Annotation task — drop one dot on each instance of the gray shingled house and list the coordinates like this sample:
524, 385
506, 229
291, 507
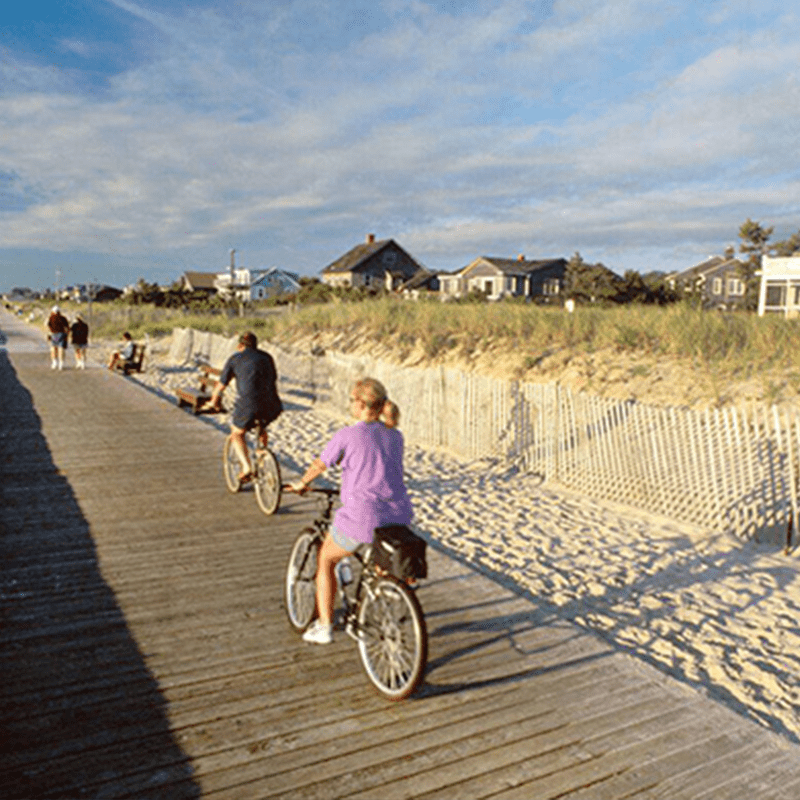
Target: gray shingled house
506, 277
381, 264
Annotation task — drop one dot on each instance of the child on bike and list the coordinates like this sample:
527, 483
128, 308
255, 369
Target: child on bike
373, 492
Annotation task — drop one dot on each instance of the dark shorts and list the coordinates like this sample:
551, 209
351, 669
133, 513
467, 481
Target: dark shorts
58, 339
246, 419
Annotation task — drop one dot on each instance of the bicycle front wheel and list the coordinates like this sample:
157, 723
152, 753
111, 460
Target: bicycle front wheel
231, 466
392, 638
301, 583
268, 481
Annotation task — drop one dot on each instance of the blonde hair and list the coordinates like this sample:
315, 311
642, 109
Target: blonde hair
390, 414
371, 393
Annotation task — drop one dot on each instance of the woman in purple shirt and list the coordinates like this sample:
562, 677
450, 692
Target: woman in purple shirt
373, 492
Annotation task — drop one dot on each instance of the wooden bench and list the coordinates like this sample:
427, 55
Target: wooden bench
135, 363
196, 398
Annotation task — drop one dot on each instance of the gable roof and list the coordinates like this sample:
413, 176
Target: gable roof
516, 266
200, 280
711, 264
354, 258
276, 273
420, 279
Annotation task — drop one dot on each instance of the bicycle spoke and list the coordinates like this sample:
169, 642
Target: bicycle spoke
392, 640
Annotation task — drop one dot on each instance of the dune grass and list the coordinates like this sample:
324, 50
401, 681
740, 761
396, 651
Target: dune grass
734, 344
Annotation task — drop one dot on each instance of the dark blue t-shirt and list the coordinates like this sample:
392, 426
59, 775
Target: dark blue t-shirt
256, 378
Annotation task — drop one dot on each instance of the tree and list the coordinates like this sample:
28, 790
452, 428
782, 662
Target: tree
754, 241
592, 282
754, 244
788, 247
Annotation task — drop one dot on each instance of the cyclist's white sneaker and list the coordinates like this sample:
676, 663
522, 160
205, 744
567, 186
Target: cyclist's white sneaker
318, 633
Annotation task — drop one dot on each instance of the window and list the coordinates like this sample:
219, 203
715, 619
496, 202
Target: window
488, 287
735, 286
776, 295
551, 286
717, 286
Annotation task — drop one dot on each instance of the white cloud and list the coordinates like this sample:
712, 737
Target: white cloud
502, 130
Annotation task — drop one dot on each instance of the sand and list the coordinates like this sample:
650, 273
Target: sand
712, 611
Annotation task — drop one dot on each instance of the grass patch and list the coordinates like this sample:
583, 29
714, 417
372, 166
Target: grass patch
731, 344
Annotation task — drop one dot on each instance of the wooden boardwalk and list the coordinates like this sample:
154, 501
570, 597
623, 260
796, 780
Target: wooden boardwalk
145, 652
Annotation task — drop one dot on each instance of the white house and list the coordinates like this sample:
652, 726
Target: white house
780, 286
255, 284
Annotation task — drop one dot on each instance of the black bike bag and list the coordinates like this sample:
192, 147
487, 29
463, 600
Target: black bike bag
397, 550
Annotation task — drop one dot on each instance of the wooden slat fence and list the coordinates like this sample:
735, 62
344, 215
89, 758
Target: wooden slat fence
730, 469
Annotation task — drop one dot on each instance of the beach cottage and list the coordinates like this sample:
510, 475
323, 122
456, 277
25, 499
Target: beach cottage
779, 291
380, 264
716, 282
506, 277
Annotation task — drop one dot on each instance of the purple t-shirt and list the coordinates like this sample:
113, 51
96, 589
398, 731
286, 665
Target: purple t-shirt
373, 492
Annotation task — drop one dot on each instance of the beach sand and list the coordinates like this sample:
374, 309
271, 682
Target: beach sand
719, 614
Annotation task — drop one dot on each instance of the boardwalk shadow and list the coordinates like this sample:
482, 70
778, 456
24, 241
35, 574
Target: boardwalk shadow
471, 637
81, 715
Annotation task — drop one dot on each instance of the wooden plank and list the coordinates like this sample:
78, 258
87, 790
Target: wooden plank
146, 651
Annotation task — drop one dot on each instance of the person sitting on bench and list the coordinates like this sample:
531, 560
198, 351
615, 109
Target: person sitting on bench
125, 353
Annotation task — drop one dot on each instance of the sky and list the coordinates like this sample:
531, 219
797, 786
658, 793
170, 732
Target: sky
143, 139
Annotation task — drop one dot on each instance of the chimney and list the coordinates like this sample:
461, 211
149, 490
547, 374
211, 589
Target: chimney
521, 257
233, 264
370, 238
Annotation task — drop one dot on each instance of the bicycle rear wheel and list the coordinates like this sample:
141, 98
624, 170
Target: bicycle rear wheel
392, 638
231, 466
268, 481
301, 584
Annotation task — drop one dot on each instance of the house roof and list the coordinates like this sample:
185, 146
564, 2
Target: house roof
704, 267
200, 280
516, 266
418, 280
289, 277
354, 258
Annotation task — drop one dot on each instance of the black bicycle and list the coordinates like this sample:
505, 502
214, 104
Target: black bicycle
381, 610
266, 471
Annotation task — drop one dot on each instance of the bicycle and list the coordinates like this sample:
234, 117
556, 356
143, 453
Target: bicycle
266, 471
381, 611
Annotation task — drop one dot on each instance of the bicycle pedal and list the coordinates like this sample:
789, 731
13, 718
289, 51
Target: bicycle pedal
351, 629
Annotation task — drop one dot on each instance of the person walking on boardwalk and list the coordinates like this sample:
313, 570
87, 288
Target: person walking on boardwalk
373, 492
257, 399
58, 327
79, 335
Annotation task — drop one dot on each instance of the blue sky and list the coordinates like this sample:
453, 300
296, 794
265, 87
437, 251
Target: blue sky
142, 139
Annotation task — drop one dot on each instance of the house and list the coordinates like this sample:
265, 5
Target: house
198, 282
86, 292
717, 282
506, 277
21, 294
779, 291
381, 264
273, 282
249, 285
424, 282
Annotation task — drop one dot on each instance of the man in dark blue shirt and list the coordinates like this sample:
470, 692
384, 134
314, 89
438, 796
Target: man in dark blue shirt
257, 400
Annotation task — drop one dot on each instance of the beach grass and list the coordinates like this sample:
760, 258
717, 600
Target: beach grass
725, 343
